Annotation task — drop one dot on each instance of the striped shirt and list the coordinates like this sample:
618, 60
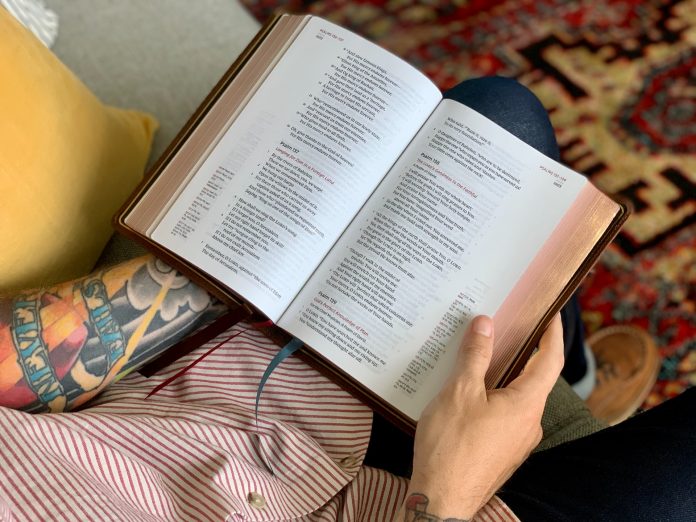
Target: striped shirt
196, 451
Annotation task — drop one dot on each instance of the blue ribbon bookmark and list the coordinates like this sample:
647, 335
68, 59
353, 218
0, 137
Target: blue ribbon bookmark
283, 354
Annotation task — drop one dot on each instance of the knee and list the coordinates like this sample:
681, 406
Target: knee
487, 89
512, 106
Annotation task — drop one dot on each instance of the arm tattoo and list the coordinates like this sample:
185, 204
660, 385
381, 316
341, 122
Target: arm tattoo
416, 510
61, 346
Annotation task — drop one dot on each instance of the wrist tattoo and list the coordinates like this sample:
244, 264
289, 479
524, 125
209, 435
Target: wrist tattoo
417, 510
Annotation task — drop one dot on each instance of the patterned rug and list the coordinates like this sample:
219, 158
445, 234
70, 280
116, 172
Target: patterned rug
619, 79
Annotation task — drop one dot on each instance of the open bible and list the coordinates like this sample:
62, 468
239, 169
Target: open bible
329, 185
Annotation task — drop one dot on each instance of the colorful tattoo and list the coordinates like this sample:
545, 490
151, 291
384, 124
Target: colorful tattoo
102, 319
61, 346
416, 510
32, 353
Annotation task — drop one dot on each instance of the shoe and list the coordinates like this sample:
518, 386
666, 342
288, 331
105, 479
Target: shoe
627, 366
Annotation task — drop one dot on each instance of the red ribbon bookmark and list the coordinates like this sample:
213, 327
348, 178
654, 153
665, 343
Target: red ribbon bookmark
263, 324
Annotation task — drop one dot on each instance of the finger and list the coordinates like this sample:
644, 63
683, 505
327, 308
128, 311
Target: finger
543, 368
476, 350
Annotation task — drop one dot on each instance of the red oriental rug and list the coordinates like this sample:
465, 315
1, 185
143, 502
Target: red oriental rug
619, 79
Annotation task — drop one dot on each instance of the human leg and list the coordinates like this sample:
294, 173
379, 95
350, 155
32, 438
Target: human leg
588, 467
593, 463
641, 469
512, 106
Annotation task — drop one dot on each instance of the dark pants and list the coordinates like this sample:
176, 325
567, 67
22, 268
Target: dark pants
642, 469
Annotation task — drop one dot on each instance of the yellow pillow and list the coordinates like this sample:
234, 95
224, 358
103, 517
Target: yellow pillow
67, 162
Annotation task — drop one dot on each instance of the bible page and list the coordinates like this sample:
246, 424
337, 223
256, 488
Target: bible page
293, 169
445, 236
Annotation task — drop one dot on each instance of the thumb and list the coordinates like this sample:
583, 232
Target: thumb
476, 350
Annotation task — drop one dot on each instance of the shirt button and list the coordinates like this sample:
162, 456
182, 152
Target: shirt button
348, 462
256, 500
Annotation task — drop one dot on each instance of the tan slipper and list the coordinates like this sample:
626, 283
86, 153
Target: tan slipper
627, 366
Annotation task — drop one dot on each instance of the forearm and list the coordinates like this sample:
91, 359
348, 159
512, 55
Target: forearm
62, 345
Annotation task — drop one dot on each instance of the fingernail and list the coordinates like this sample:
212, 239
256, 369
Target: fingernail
482, 325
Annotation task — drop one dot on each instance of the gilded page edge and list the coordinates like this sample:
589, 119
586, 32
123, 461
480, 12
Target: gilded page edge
547, 277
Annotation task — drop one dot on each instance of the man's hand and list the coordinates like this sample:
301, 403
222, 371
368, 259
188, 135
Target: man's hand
470, 440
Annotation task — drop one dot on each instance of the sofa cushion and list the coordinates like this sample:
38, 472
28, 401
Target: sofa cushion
66, 163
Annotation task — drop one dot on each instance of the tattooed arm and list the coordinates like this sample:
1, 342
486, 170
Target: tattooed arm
61, 346
470, 440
